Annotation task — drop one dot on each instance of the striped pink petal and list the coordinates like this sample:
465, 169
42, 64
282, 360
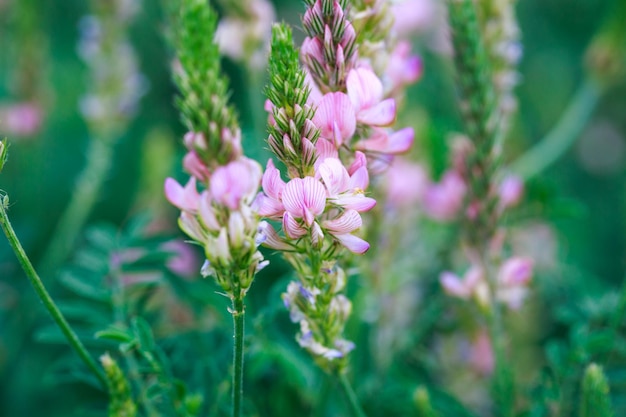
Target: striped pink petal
304, 198
348, 222
335, 118
353, 243
364, 88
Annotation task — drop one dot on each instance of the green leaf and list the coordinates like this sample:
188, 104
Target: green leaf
81, 286
115, 333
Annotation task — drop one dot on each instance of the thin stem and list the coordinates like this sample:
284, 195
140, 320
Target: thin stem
357, 411
83, 199
238, 313
45, 298
563, 135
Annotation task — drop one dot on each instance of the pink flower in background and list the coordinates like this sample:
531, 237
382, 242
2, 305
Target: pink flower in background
413, 15
21, 119
406, 183
511, 191
513, 279
403, 68
465, 287
444, 200
481, 357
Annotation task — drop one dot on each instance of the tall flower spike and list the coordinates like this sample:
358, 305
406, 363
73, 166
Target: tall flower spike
329, 51
292, 134
216, 137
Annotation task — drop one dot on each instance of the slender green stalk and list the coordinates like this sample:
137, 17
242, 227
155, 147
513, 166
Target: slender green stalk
45, 298
238, 313
83, 199
564, 134
352, 399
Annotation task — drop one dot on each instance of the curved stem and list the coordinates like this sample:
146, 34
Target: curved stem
238, 313
83, 199
45, 298
357, 411
563, 135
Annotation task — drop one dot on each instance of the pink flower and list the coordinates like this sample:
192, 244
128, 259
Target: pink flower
335, 118
393, 143
342, 227
403, 68
236, 182
343, 189
481, 354
444, 200
304, 198
413, 15
366, 94
21, 119
194, 165
185, 198
511, 191
406, 183
462, 288
269, 202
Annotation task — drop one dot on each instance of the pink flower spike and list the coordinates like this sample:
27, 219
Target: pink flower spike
353, 243
335, 118
304, 198
516, 271
348, 222
185, 198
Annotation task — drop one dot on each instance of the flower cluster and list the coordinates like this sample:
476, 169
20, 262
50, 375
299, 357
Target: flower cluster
220, 217
115, 90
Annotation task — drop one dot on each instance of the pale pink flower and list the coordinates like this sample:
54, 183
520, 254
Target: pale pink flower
269, 202
335, 117
444, 200
413, 15
21, 119
184, 261
406, 183
510, 191
304, 198
391, 143
403, 68
462, 287
236, 182
481, 356
343, 189
185, 198
366, 94
194, 166
513, 279
342, 227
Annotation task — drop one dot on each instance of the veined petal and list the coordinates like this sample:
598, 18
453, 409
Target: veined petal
335, 116
273, 184
355, 201
394, 143
185, 198
304, 198
325, 149
268, 207
292, 229
381, 114
364, 88
271, 238
207, 212
359, 161
334, 175
353, 243
359, 180
348, 222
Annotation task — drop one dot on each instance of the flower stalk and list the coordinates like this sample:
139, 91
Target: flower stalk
45, 297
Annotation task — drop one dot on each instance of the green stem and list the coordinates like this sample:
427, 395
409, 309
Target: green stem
45, 298
357, 411
83, 199
564, 134
238, 333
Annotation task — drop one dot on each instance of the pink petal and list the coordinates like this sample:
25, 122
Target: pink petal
335, 117
273, 184
516, 271
359, 161
452, 285
268, 207
364, 88
353, 243
394, 143
359, 180
381, 114
292, 228
271, 239
348, 222
304, 198
185, 198
334, 175
325, 149
207, 212
355, 201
